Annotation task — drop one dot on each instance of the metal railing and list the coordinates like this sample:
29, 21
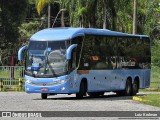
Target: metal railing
11, 78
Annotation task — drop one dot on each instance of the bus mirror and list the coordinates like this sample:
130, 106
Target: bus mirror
20, 52
69, 51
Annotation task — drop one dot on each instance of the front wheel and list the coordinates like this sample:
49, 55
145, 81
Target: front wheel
44, 95
82, 91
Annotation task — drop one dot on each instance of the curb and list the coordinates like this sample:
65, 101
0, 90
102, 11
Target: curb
136, 98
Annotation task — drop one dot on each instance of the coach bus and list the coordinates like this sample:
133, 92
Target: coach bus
86, 61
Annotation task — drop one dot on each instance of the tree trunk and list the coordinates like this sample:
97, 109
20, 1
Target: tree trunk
104, 14
49, 15
114, 15
135, 17
62, 19
1, 63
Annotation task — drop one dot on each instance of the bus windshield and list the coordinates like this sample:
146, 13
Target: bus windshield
46, 58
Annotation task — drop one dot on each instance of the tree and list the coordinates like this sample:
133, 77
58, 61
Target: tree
12, 14
42, 3
124, 11
109, 14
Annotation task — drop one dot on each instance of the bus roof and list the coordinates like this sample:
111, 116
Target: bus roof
56, 34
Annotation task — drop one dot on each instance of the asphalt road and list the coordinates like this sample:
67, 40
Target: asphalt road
21, 101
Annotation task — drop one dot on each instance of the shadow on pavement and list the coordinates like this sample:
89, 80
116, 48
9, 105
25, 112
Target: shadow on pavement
109, 97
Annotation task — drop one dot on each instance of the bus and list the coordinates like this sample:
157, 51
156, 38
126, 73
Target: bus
86, 61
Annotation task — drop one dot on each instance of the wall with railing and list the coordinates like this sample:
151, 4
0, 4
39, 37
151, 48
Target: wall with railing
11, 78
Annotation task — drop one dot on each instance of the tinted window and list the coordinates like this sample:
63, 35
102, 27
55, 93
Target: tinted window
37, 45
133, 53
106, 52
99, 52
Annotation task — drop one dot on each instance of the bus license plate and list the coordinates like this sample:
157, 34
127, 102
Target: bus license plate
44, 89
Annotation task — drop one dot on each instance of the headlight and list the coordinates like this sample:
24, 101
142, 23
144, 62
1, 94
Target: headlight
63, 81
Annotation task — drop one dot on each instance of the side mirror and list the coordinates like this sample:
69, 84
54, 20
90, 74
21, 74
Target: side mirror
69, 51
20, 52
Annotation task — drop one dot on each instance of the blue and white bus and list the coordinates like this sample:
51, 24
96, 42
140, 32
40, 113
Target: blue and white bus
85, 61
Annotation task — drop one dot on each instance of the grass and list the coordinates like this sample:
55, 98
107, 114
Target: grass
155, 78
150, 90
151, 99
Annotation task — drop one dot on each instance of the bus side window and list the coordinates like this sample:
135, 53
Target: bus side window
78, 41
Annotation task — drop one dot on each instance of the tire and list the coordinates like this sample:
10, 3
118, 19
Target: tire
135, 88
82, 91
128, 88
127, 91
44, 95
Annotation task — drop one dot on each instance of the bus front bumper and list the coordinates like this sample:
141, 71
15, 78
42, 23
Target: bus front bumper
58, 89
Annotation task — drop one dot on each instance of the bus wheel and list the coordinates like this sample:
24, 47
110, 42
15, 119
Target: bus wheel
128, 88
82, 91
44, 95
135, 88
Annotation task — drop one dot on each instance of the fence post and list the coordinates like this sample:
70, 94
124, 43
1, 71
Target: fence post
20, 84
1, 84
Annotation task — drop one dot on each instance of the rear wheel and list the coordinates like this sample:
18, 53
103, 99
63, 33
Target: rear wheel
127, 91
44, 95
82, 90
135, 88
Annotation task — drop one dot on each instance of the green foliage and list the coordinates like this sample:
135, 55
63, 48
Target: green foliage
26, 30
11, 16
151, 99
155, 79
147, 17
10, 20
156, 54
